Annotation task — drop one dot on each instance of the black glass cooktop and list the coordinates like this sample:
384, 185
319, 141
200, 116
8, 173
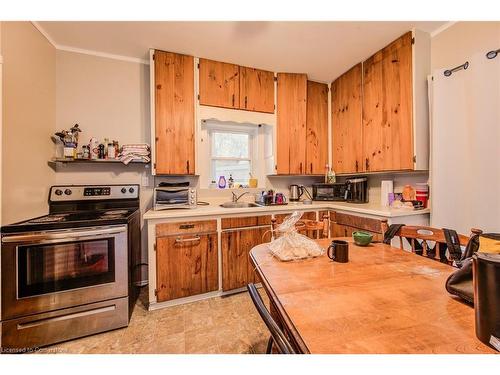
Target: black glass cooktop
72, 219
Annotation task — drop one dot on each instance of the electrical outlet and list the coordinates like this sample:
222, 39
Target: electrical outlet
145, 180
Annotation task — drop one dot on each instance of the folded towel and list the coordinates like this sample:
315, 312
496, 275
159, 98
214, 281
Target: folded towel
135, 152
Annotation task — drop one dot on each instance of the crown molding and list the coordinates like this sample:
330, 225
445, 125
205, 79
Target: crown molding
86, 51
442, 28
102, 54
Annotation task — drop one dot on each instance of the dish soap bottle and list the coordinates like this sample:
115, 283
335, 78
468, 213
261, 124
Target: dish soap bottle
230, 184
222, 182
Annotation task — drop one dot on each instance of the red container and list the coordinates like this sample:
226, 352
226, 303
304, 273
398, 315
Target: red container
422, 193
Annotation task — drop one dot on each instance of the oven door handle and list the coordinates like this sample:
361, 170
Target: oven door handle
72, 235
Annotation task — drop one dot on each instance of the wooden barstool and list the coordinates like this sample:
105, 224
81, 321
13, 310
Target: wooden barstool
311, 228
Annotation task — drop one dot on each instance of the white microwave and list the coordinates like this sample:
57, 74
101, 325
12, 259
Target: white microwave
169, 197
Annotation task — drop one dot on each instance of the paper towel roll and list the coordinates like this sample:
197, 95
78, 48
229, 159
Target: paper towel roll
386, 188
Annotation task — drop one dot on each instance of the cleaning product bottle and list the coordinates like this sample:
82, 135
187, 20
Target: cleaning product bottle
331, 178
222, 182
230, 184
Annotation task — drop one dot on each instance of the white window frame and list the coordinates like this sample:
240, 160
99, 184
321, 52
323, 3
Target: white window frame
233, 129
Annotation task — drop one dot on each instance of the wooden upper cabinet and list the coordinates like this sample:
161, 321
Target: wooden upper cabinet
291, 123
219, 84
174, 113
387, 107
316, 128
256, 90
347, 135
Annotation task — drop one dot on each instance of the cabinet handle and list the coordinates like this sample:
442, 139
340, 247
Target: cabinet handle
367, 164
356, 165
187, 166
311, 168
300, 167
233, 100
192, 239
246, 100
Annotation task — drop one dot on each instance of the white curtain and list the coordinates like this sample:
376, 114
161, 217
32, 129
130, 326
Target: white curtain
465, 147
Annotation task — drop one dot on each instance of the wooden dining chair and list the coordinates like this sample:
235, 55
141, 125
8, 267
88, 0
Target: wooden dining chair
428, 241
277, 336
317, 228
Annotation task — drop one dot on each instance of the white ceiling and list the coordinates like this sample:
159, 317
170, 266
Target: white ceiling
323, 50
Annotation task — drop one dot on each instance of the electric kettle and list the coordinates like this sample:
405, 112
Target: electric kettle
296, 192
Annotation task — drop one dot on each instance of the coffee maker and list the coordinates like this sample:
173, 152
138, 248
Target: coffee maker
356, 190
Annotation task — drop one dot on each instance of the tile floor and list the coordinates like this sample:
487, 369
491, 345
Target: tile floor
222, 325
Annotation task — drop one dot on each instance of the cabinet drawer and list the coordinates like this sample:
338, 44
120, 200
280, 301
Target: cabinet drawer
365, 223
186, 227
241, 222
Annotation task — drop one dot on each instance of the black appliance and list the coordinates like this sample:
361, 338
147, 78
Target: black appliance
73, 272
329, 192
486, 271
356, 190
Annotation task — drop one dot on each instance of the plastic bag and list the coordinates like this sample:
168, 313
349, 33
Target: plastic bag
291, 245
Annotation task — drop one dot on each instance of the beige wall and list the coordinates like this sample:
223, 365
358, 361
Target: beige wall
459, 42
28, 101
109, 99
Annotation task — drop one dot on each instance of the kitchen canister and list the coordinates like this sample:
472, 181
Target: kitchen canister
386, 188
422, 193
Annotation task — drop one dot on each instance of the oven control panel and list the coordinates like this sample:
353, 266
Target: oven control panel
96, 191
92, 192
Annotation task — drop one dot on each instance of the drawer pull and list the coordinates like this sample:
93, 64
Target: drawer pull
192, 239
41, 322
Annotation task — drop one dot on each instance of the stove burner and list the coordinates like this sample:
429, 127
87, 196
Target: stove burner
114, 213
49, 219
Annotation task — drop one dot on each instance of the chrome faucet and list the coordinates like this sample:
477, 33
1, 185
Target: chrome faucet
236, 197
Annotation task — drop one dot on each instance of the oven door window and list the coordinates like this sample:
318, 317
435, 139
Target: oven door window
172, 196
49, 268
324, 192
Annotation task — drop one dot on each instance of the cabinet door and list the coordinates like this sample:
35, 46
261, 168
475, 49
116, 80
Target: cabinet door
316, 128
186, 265
256, 90
347, 136
387, 108
291, 123
237, 269
219, 84
174, 113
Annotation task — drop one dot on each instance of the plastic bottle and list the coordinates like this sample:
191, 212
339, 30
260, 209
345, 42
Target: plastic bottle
222, 182
230, 184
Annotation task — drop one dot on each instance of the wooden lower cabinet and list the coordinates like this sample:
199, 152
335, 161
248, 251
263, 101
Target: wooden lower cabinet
237, 270
187, 265
343, 225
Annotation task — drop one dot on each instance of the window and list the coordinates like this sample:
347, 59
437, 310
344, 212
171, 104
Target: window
231, 154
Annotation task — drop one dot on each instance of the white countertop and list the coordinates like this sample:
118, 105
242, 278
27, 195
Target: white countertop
213, 209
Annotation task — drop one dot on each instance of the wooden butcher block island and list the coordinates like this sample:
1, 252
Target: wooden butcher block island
384, 300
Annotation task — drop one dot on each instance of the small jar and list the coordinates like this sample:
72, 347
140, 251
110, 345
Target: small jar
85, 152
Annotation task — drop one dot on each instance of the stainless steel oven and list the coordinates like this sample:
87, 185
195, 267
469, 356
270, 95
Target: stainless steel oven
72, 272
57, 269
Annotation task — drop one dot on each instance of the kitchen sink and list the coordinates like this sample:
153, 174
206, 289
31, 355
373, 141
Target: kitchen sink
238, 205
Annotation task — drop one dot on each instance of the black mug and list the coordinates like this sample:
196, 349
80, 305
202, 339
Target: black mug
338, 251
